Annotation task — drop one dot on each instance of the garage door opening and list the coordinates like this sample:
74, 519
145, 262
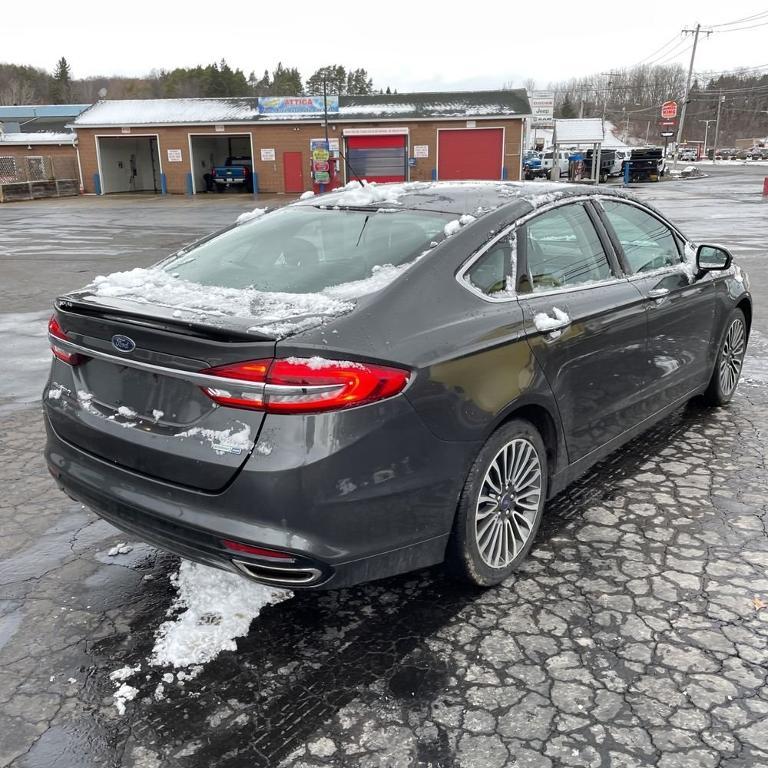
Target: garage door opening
129, 164
377, 158
472, 153
229, 154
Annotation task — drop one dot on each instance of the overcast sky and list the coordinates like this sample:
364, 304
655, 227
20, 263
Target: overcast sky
406, 44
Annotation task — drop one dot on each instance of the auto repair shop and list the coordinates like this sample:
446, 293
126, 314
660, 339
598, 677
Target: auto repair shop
172, 145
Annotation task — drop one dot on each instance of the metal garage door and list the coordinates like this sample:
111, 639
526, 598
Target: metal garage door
377, 158
474, 153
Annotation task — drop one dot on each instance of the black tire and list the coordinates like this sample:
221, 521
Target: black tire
464, 559
729, 361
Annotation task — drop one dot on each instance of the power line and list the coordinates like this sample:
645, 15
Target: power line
673, 55
741, 29
754, 16
657, 51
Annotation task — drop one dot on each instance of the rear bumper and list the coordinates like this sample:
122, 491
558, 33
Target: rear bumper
339, 528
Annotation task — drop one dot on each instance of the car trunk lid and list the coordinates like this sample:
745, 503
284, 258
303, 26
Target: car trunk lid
135, 396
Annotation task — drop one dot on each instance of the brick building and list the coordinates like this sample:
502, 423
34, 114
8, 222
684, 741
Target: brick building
36, 165
169, 145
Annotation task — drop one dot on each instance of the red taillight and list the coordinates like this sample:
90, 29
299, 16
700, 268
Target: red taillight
248, 549
55, 331
304, 385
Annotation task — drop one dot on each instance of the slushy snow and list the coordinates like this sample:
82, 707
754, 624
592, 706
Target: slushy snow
544, 322
215, 607
249, 215
159, 287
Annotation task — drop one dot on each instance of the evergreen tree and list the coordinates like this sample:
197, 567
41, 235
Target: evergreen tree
61, 85
286, 81
335, 77
567, 109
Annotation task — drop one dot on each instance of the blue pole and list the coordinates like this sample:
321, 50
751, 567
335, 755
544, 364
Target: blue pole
97, 183
504, 175
163, 184
189, 183
434, 174
255, 177
627, 170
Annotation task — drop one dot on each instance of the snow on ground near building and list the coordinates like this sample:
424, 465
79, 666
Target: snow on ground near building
26, 357
216, 607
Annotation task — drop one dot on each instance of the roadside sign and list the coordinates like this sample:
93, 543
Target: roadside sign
667, 134
542, 109
669, 110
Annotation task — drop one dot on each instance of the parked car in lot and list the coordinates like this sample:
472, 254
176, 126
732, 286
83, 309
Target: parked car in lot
236, 172
688, 155
374, 380
532, 167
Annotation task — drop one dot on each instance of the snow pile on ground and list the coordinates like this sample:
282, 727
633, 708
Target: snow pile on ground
249, 215
544, 322
306, 195
124, 692
121, 548
216, 607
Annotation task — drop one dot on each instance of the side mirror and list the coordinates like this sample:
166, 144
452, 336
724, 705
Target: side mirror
712, 257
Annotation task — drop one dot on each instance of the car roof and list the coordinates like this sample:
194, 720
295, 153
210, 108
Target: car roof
457, 197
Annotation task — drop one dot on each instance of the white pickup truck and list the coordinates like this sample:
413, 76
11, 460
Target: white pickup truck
563, 158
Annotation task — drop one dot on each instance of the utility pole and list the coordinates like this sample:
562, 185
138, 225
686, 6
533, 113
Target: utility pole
706, 134
610, 75
720, 100
695, 33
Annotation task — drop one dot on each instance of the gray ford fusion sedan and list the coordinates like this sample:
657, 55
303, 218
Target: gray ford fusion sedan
384, 377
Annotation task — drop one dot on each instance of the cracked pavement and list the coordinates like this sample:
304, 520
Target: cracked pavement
636, 634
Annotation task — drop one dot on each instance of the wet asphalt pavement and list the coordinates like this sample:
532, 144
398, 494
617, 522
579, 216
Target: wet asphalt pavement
636, 635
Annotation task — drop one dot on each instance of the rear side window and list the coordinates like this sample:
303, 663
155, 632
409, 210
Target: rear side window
304, 249
561, 249
489, 273
647, 242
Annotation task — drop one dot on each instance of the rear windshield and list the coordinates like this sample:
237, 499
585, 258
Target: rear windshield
304, 249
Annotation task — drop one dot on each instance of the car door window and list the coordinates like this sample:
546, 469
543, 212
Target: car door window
561, 249
489, 273
647, 242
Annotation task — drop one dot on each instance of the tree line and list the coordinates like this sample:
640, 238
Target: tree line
631, 99
32, 85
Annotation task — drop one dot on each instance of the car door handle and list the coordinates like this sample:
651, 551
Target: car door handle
552, 324
658, 293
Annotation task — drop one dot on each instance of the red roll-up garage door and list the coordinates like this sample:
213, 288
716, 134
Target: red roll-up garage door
474, 153
377, 158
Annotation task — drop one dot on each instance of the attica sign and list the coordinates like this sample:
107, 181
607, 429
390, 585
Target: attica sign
297, 105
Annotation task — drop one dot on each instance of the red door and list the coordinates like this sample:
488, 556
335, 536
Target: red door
293, 172
377, 158
474, 153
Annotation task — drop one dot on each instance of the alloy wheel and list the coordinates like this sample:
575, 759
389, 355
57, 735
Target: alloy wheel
732, 356
508, 503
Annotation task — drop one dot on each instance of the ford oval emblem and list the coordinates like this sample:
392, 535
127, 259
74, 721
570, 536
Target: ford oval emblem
123, 343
